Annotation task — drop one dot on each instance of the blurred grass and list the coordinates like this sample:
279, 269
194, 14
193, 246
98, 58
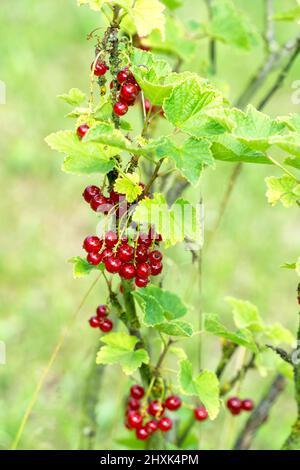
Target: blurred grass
44, 53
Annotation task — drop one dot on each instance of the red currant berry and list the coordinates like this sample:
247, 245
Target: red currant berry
125, 253
151, 426
94, 322
165, 424
156, 268
116, 197
100, 68
137, 392
120, 108
156, 408
101, 311
106, 325
142, 434
247, 404
143, 270
124, 240
144, 239
234, 404
200, 413
122, 76
94, 258
127, 425
92, 244
111, 239
82, 130
127, 271
97, 201
107, 253
148, 105
134, 404
128, 92
134, 419
155, 256
173, 403
141, 282
158, 238
90, 192
142, 253
112, 264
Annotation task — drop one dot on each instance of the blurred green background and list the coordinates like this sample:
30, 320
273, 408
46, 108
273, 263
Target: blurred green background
44, 52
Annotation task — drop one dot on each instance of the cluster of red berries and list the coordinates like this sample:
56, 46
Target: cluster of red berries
128, 91
236, 405
100, 320
150, 417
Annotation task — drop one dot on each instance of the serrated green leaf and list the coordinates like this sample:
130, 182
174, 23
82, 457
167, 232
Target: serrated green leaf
82, 268
212, 324
186, 379
148, 15
185, 108
82, 157
128, 184
227, 148
175, 224
75, 97
120, 349
290, 143
231, 26
293, 14
172, 4
245, 314
284, 189
279, 334
176, 328
268, 362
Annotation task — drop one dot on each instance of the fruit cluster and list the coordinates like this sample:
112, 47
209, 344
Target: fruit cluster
147, 417
128, 91
100, 320
236, 405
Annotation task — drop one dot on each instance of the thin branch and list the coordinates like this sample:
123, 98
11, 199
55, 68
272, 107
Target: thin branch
270, 38
212, 43
282, 353
153, 177
260, 414
228, 351
239, 375
162, 357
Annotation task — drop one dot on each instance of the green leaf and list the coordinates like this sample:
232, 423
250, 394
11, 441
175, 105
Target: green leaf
293, 14
279, 334
189, 158
231, 26
175, 224
172, 4
227, 148
120, 349
82, 157
82, 268
245, 314
205, 386
211, 324
189, 101
290, 143
176, 328
75, 97
284, 189
148, 15
128, 184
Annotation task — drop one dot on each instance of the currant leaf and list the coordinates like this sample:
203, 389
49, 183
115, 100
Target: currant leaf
82, 268
284, 189
75, 97
128, 184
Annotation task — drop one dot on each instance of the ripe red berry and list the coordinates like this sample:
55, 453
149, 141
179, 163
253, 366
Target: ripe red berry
112, 264
111, 239
141, 282
143, 270
107, 253
142, 253
82, 130
90, 192
116, 197
234, 404
142, 434
134, 404
127, 271
155, 408
129, 92
148, 105
106, 325
94, 322
125, 253
97, 201
94, 258
120, 108
137, 391
173, 403
92, 244
247, 404
100, 68
144, 239
101, 311
200, 413
122, 76
134, 419
155, 256
151, 426
165, 424
156, 268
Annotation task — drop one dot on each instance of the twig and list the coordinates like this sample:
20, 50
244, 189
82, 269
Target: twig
153, 177
282, 353
228, 351
260, 414
212, 43
270, 38
240, 374
162, 357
